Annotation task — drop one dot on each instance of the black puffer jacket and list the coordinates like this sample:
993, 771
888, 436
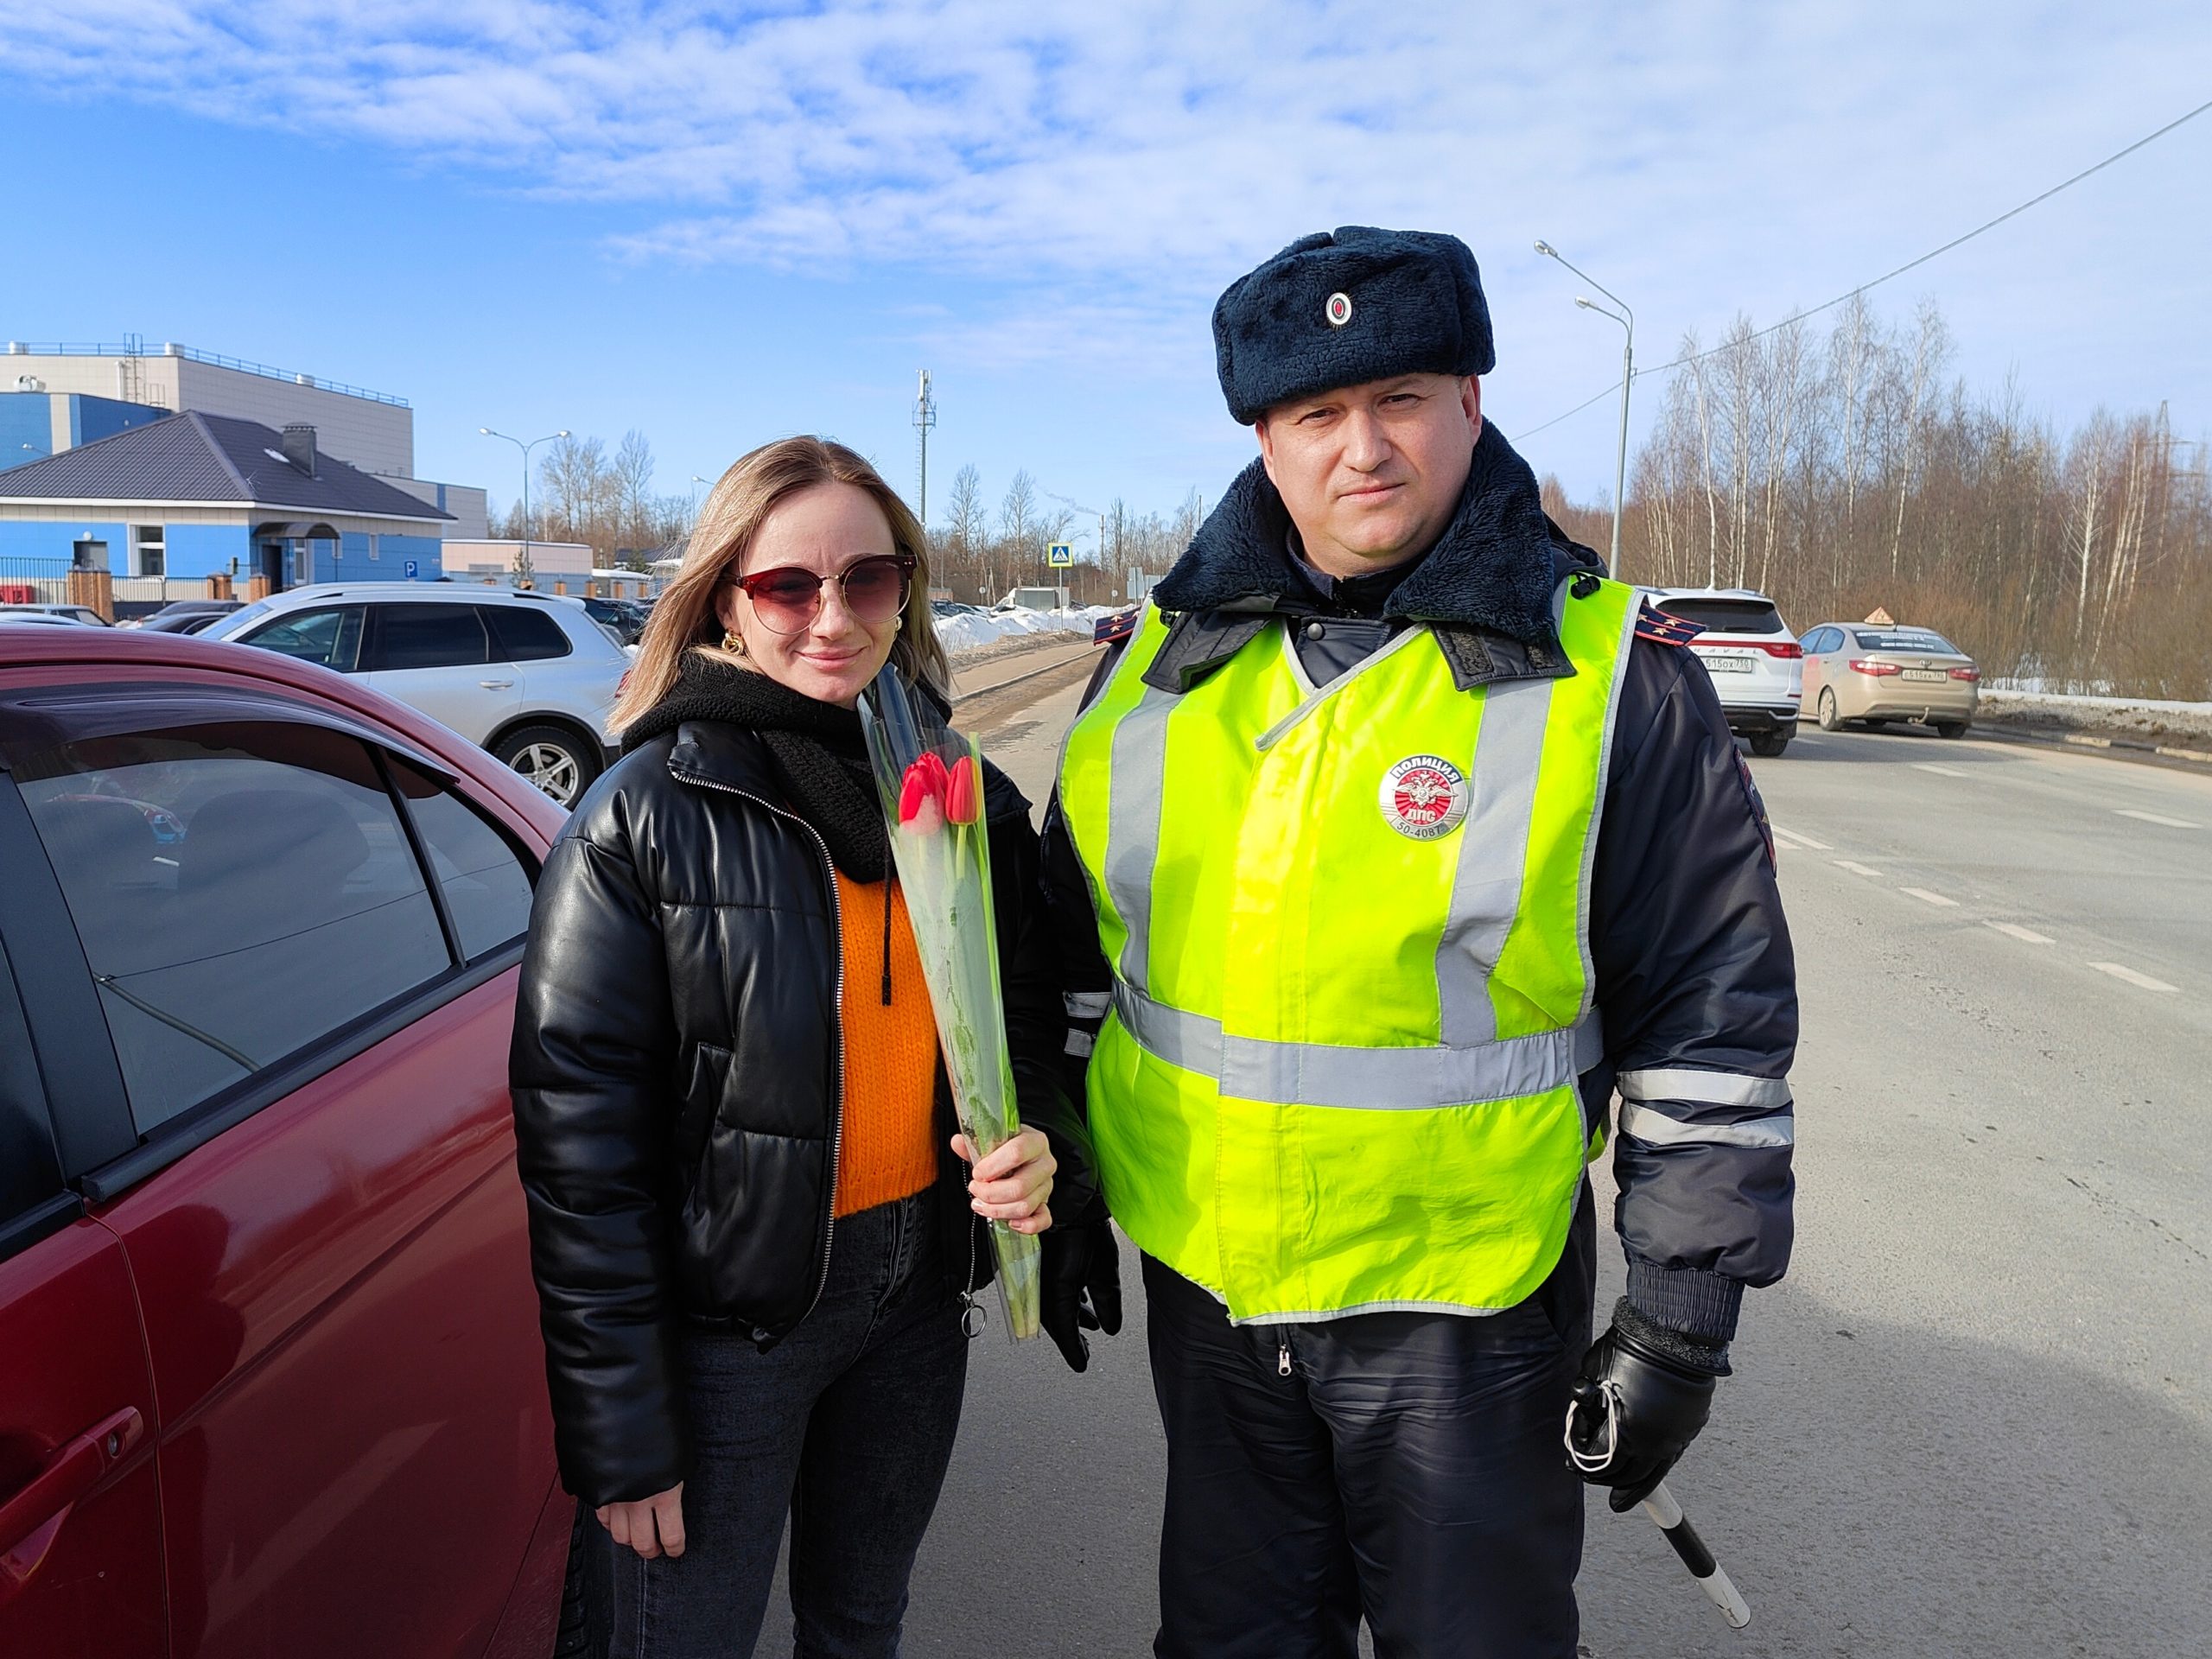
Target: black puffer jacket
676, 1082
1695, 981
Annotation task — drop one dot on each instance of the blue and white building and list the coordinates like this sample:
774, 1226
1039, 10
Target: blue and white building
194, 495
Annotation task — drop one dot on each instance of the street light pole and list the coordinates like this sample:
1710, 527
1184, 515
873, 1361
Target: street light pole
522, 567
1627, 320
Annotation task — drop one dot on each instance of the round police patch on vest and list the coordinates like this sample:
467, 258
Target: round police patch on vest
1424, 796
1337, 310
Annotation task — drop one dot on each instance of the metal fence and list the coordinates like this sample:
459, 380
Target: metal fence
169, 348
34, 582
46, 581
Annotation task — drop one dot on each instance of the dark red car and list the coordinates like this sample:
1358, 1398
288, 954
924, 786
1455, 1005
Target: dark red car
270, 1380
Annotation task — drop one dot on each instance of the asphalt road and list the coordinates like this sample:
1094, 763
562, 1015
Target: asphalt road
1976, 1419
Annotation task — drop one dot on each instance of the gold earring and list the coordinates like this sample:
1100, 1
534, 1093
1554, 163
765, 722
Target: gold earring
732, 642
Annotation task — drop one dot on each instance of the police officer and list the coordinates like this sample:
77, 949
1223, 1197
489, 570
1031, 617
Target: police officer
1407, 840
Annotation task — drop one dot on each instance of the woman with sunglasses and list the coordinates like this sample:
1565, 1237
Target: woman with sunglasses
754, 1239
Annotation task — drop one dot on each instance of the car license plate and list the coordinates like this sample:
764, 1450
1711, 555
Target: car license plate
1924, 674
1720, 664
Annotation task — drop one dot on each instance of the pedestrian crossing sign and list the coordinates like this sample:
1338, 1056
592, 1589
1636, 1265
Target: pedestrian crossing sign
1059, 553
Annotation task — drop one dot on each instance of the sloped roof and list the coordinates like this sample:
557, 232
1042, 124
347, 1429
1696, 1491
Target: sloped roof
200, 457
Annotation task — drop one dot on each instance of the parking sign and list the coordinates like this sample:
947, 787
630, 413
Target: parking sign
412, 569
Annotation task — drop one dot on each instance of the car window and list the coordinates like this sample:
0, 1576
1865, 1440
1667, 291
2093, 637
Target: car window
241, 891
1727, 615
427, 636
1905, 640
30, 1173
486, 885
247, 613
520, 634
331, 637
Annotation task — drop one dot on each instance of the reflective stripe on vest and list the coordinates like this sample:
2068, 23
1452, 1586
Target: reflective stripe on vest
1291, 956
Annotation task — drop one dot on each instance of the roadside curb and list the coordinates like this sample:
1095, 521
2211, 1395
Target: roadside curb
2119, 747
959, 697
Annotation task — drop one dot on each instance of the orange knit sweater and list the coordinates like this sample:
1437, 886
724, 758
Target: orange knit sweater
889, 1149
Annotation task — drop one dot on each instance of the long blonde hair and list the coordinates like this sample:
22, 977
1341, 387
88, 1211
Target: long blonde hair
685, 617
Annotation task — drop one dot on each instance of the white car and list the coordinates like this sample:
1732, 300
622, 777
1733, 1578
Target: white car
1756, 663
529, 676
77, 615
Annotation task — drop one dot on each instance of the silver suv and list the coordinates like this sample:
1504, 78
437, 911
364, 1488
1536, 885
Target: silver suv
1755, 661
530, 677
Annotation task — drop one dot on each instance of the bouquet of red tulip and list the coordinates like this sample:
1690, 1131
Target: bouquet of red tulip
930, 780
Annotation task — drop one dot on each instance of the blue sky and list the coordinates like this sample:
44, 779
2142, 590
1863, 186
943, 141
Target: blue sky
719, 224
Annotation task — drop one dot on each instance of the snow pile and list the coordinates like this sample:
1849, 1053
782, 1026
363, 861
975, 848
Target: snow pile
2139, 717
974, 630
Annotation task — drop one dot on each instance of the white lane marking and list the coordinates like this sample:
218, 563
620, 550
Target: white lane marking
1926, 897
2133, 978
1791, 838
2156, 818
2027, 935
1856, 869
1930, 765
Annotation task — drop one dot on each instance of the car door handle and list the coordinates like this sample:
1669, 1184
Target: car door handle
31, 1520
495, 685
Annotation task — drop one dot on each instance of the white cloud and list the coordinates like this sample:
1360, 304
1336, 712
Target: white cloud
1109, 168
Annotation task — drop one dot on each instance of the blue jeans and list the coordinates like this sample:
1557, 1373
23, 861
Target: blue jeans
847, 1423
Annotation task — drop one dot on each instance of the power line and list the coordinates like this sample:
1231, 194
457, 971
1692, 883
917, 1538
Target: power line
1825, 305
1577, 409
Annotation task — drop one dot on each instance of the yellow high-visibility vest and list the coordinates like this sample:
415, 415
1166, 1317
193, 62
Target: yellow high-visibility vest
1348, 930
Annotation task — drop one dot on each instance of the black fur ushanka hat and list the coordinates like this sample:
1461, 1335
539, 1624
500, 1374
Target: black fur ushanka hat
1344, 307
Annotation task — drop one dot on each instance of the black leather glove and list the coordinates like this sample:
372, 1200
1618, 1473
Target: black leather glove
1081, 1287
1644, 1394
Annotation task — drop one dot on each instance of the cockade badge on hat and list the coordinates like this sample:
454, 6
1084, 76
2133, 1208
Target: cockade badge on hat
1337, 310
1424, 796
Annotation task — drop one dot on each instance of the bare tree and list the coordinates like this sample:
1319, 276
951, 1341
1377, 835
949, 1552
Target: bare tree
1018, 523
2031, 547
633, 483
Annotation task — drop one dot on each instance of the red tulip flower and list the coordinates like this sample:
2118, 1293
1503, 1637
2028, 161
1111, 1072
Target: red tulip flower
922, 796
963, 799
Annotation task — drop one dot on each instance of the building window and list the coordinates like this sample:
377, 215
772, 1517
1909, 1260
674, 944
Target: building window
148, 551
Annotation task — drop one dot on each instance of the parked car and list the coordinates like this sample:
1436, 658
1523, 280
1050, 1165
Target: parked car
30, 618
84, 614
528, 676
184, 615
1751, 655
625, 618
1860, 673
271, 1378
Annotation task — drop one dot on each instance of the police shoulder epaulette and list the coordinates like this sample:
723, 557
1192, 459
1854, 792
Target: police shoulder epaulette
1663, 627
1110, 629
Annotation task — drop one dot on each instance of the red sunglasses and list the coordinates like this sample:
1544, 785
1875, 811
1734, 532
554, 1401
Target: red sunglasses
788, 598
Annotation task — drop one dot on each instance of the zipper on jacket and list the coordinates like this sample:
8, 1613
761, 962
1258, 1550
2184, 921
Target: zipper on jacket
836, 1017
973, 1317
1282, 1355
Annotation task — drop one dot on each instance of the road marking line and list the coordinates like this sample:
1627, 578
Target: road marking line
1930, 765
2133, 978
2026, 934
1926, 897
2156, 818
1856, 869
1791, 838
